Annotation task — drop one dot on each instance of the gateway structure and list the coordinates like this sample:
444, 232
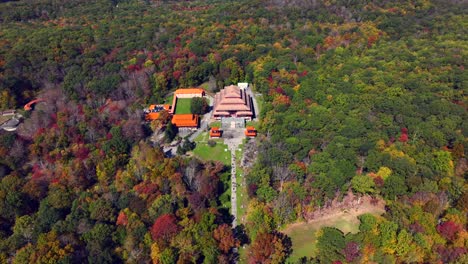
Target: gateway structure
233, 101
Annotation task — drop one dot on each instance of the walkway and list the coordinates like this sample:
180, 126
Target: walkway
233, 187
254, 100
233, 140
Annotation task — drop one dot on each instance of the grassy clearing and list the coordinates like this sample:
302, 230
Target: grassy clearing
215, 124
205, 85
183, 106
202, 137
260, 102
241, 189
219, 152
255, 124
304, 235
168, 100
303, 242
243, 254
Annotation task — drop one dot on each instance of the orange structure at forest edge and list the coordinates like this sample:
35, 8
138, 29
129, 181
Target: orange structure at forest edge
250, 131
185, 120
28, 106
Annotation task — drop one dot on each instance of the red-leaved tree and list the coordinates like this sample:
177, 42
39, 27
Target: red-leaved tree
122, 219
448, 229
164, 227
269, 248
351, 251
404, 135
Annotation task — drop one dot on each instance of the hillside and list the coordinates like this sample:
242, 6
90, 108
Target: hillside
367, 97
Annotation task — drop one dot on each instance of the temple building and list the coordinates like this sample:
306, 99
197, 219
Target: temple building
233, 101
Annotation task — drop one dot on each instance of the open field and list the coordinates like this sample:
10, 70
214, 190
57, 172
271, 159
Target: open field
303, 234
183, 106
205, 152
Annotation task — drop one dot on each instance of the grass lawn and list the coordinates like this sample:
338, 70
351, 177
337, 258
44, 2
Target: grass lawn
303, 242
240, 190
260, 105
215, 124
205, 152
168, 100
255, 124
205, 85
304, 235
183, 106
243, 254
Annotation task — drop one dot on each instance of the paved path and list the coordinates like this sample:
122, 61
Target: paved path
233, 144
254, 100
233, 187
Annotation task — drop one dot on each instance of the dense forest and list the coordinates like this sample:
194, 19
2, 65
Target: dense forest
362, 96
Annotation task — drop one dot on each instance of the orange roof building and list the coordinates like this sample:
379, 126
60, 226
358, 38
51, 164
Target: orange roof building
185, 120
151, 116
250, 131
153, 112
190, 91
232, 101
215, 132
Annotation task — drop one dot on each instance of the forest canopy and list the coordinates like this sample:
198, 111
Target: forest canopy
366, 97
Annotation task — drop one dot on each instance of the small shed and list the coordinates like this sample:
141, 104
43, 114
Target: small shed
250, 131
215, 132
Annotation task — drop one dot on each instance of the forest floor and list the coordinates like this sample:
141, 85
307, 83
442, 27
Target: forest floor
304, 234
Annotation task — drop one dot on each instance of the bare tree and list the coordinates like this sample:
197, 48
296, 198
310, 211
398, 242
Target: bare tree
281, 173
190, 175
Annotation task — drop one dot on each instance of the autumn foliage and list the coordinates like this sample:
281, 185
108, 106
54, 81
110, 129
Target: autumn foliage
448, 229
225, 237
269, 248
164, 227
